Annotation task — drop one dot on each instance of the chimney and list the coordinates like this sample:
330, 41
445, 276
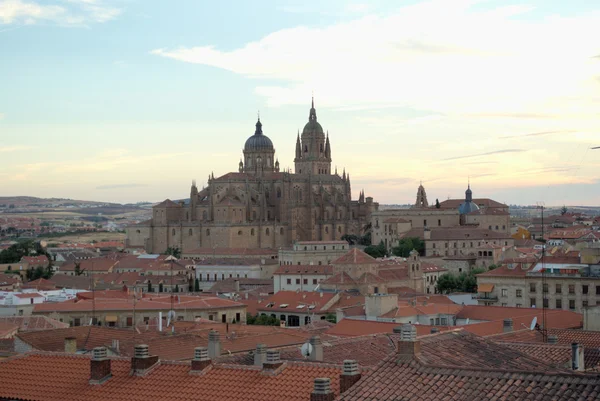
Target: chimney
99, 366
142, 361
70, 345
322, 390
508, 325
201, 360
273, 362
577, 357
317, 349
214, 344
115, 346
408, 345
434, 330
236, 285
260, 355
350, 375
552, 339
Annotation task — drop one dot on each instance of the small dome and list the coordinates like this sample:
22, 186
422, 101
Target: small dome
467, 207
258, 141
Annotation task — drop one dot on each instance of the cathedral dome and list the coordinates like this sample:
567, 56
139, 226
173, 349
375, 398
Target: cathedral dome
312, 125
468, 206
258, 141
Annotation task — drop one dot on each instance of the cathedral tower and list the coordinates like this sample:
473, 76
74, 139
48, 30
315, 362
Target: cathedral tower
259, 153
313, 150
421, 198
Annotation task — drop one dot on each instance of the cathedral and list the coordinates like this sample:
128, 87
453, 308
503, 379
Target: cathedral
261, 206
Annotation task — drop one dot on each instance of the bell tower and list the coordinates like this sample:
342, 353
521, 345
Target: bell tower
313, 150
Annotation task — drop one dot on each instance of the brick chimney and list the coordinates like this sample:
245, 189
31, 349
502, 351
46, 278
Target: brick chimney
142, 361
408, 345
99, 366
552, 339
317, 349
322, 390
577, 357
201, 360
214, 344
350, 375
260, 355
70, 345
273, 362
507, 326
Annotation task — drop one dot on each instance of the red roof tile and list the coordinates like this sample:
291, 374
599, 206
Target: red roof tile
354, 257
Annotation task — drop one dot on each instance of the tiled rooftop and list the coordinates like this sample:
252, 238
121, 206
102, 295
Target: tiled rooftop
354, 257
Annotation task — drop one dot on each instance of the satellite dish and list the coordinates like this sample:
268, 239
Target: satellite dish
170, 317
306, 349
533, 323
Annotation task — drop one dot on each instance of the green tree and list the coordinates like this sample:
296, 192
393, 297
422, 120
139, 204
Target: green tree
173, 251
331, 318
406, 245
378, 251
437, 204
492, 267
197, 285
176, 287
564, 210
446, 283
351, 239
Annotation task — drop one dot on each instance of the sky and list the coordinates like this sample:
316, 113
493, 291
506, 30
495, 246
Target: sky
130, 100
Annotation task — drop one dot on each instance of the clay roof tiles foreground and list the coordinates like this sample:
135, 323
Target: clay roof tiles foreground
65, 377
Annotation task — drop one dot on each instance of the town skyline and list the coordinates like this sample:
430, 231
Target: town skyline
90, 116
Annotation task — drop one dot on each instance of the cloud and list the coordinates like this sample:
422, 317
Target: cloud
495, 152
14, 148
424, 56
542, 133
120, 186
71, 13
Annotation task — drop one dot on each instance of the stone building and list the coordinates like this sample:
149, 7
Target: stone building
260, 205
555, 283
484, 218
312, 252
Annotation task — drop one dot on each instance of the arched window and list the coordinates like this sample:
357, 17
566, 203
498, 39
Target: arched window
252, 231
305, 149
207, 232
279, 192
321, 148
267, 232
190, 232
173, 231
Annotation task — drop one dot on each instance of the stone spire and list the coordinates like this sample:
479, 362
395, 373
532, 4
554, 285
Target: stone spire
313, 113
327, 147
421, 201
344, 174
298, 147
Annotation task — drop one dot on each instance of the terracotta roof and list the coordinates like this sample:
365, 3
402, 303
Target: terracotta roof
41, 284
67, 375
26, 295
91, 265
35, 260
305, 269
558, 355
486, 202
8, 329
485, 287
167, 203
288, 301
338, 279
150, 303
353, 328
354, 257
32, 323
232, 251
465, 368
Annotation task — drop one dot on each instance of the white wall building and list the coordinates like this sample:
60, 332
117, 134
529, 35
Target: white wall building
300, 277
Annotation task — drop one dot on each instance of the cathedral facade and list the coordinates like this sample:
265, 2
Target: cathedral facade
260, 206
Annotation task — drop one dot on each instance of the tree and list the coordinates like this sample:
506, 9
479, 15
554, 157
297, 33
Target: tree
173, 251
176, 287
331, 318
378, 251
262, 320
464, 282
197, 285
492, 267
351, 239
437, 203
406, 245
446, 283
563, 210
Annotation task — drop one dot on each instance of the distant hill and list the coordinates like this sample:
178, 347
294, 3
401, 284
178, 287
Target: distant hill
21, 201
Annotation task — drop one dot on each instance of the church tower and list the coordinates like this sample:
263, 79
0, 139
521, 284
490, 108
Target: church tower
421, 198
313, 150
